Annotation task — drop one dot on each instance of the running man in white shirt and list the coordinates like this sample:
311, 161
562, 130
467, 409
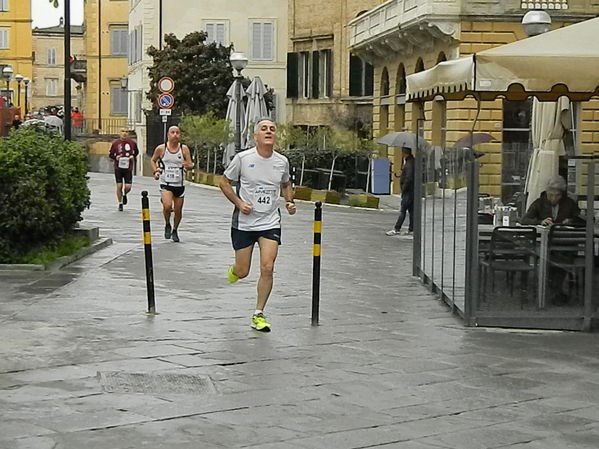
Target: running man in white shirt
168, 163
260, 173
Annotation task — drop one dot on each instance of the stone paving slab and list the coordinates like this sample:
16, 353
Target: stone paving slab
388, 367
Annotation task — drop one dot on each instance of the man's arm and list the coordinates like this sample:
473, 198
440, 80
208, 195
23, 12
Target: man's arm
112, 152
158, 152
227, 189
288, 195
187, 162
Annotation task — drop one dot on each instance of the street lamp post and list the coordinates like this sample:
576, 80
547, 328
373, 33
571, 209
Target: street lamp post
239, 62
7, 75
18, 79
26, 82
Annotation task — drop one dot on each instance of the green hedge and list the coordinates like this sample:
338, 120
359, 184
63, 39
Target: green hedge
43, 190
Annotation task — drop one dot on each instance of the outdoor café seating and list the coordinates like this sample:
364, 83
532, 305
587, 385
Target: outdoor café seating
512, 250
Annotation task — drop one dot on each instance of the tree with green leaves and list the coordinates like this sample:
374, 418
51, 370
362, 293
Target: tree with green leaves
204, 134
202, 73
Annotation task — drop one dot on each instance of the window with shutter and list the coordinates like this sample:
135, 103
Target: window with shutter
4, 39
262, 35
118, 100
292, 75
51, 87
118, 41
216, 32
3, 5
315, 74
51, 56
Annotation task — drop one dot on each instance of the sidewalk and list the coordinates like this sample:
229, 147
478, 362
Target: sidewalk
83, 366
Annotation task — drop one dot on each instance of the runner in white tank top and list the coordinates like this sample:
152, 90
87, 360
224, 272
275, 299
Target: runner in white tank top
168, 162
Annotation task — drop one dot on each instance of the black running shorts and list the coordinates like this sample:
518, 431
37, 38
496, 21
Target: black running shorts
178, 191
243, 239
123, 174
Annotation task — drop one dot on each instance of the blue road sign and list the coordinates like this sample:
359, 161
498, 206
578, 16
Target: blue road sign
165, 101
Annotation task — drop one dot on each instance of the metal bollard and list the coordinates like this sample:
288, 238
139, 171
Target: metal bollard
316, 263
145, 214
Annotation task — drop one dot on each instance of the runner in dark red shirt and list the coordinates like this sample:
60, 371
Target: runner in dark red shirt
124, 153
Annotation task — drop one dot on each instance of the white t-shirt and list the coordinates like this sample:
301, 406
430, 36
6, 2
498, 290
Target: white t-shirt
259, 184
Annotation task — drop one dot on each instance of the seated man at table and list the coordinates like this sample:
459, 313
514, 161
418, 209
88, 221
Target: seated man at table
553, 206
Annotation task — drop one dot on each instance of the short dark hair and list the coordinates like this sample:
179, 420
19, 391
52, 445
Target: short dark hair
407, 150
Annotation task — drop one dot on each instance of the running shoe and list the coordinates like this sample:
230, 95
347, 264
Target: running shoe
121, 207
167, 231
392, 232
231, 277
259, 323
175, 236
125, 199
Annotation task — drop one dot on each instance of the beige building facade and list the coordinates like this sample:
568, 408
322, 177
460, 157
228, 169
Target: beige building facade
106, 39
47, 87
401, 37
260, 32
326, 84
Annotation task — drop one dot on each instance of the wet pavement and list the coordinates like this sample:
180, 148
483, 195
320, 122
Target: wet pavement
83, 365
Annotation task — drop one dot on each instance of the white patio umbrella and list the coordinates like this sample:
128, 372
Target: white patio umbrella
229, 152
256, 109
549, 121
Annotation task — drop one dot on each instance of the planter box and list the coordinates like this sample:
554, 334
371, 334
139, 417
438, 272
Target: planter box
303, 193
363, 200
216, 180
326, 196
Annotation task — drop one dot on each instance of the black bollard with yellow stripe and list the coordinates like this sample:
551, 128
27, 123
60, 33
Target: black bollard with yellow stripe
145, 213
316, 263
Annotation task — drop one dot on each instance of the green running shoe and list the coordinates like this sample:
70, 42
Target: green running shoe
231, 277
259, 323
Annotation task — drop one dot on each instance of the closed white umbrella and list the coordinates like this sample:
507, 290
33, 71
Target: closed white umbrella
549, 120
256, 109
232, 110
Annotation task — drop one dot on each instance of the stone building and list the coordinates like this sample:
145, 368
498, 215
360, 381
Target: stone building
401, 37
326, 84
48, 66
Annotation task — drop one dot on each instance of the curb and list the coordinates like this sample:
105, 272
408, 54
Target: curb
61, 261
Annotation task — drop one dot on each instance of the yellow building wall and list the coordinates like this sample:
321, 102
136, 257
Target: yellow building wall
104, 70
17, 20
460, 115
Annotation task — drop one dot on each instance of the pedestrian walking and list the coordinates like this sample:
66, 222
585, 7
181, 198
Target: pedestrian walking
168, 162
261, 174
124, 153
406, 182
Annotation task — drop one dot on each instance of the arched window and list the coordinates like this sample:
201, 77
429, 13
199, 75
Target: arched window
400, 99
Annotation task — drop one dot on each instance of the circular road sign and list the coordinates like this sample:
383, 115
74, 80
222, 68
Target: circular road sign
166, 84
165, 101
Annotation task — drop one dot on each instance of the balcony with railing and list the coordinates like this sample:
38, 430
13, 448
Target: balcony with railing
397, 26
400, 26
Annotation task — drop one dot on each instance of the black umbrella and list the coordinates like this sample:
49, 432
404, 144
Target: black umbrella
404, 139
472, 139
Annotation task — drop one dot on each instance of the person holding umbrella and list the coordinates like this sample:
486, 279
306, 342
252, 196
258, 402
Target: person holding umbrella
406, 181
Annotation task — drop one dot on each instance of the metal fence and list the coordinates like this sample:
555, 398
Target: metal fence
452, 247
95, 126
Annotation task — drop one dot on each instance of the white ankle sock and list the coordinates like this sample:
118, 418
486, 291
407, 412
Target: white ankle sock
257, 312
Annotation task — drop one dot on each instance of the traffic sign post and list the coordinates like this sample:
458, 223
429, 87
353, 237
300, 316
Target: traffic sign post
165, 100
166, 85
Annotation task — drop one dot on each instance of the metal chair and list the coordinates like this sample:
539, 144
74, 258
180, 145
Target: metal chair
512, 250
566, 253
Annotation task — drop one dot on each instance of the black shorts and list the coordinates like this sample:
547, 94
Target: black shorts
178, 191
123, 174
243, 239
